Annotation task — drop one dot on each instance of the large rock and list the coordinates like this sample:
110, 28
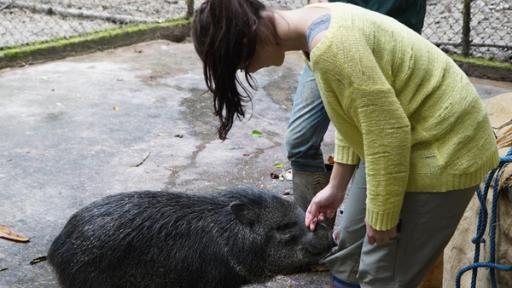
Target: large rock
460, 250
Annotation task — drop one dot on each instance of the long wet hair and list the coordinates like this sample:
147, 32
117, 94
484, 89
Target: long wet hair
225, 33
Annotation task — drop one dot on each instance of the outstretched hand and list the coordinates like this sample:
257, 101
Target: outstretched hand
323, 205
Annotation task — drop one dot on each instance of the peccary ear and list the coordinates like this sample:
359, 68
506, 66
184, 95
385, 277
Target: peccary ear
244, 213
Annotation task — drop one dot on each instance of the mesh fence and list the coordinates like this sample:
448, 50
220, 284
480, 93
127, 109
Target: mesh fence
489, 22
487, 33
28, 21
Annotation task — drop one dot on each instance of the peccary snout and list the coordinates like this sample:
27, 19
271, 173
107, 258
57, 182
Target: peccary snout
292, 246
319, 239
169, 239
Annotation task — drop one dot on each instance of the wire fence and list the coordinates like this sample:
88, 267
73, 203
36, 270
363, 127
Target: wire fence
479, 27
27, 21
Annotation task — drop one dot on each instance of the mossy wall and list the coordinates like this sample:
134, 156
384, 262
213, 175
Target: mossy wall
175, 30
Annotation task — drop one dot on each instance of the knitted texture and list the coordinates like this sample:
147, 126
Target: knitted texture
402, 105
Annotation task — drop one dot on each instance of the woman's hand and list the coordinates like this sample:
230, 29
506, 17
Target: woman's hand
323, 205
326, 202
379, 237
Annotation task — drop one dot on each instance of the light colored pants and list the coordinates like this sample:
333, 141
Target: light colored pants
427, 222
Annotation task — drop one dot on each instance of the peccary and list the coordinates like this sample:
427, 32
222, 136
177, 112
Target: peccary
170, 239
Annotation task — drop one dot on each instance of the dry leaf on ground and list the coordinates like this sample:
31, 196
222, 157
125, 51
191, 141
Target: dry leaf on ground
38, 260
288, 175
274, 175
7, 233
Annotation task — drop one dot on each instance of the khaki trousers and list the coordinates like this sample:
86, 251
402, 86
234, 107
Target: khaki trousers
427, 222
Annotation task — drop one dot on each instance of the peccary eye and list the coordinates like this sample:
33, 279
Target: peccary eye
287, 233
286, 226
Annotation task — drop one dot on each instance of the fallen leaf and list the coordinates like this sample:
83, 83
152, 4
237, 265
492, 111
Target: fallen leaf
178, 135
115, 108
287, 192
143, 160
3, 269
246, 154
38, 260
256, 133
330, 160
171, 169
319, 268
288, 175
274, 175
7, 233
279, 165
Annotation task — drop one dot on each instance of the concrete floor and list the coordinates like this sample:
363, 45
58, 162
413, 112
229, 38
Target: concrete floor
72, 131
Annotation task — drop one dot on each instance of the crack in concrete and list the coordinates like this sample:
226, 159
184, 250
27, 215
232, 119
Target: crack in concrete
173, 177
195, 116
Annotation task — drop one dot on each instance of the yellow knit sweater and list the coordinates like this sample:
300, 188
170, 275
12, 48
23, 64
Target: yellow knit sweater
403, 106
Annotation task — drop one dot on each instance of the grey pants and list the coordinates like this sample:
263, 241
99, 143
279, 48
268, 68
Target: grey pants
427, 222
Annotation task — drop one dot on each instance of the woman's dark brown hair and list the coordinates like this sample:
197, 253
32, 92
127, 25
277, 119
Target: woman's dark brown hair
224, 33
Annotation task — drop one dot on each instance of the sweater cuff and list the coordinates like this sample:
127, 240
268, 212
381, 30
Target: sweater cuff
344, 154
382, 220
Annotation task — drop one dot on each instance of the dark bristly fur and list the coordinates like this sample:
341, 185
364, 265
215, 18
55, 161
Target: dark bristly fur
168, 239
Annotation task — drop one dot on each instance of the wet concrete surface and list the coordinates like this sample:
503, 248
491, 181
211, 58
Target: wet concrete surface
76, 130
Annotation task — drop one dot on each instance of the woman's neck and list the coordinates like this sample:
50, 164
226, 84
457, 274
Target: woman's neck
291, 30
292, 26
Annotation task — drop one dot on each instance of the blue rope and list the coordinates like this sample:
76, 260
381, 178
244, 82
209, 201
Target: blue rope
481, 227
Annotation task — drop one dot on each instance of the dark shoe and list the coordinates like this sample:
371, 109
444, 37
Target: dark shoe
338, 283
